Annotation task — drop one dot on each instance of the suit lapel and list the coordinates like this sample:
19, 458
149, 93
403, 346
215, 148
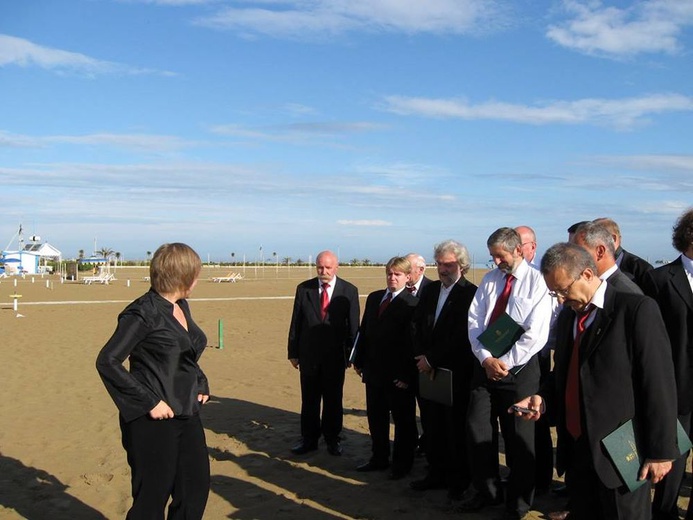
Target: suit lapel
680, 282
595, 332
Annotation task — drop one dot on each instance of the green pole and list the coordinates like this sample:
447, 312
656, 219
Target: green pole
221, 334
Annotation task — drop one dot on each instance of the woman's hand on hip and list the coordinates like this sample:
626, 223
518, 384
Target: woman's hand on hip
161, 411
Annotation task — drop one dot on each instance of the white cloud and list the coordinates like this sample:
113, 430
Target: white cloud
298, 133
23, 53
364, 223
138, 142
656, 163
306, 18
620, 113
649, 26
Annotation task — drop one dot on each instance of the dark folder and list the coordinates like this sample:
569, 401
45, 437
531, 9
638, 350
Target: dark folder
623, 452
500, 336
438, 389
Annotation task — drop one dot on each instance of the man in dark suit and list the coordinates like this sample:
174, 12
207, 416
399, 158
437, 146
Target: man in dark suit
323, 326
519, 290
671, 285
417, 278
543, 443
440, 341
384, 358
417, 281
612, 364
599, 243
631, 264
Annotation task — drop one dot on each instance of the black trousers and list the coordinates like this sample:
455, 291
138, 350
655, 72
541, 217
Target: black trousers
488, 407
326, 385
446, 437
543, 444
591, 500
381, 401
666, 495
167, 458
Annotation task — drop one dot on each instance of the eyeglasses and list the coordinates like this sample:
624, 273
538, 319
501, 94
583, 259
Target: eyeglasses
562, 292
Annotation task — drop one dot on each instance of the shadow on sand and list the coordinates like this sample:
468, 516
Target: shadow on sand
37, 495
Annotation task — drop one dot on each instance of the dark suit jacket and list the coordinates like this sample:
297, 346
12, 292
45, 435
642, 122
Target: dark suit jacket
626, 372
445, 344
384, 350
424, 282
315, 342
635, 266
622, 283
669, 286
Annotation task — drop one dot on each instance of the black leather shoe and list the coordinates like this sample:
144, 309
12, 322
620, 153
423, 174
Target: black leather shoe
427, 483
476, 502
372, 466
304, 447
334, 448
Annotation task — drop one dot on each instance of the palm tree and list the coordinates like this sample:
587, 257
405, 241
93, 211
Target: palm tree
149, 256
106, 252
80, 254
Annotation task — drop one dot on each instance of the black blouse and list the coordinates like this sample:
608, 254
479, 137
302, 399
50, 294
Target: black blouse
163, 359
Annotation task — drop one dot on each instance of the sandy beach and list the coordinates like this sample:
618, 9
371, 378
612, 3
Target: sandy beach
60, 452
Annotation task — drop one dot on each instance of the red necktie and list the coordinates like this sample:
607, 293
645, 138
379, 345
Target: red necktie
502, 301
572, 385
411, 289
384, 304
324, 301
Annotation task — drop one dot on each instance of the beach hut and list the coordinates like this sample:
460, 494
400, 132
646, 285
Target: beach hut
20, 262
47, 253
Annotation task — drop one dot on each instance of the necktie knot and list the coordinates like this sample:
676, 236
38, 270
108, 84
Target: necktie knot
411, 288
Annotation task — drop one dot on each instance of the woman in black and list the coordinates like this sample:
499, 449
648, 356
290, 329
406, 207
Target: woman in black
159, 398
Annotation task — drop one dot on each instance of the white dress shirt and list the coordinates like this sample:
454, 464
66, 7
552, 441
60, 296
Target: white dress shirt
529, 305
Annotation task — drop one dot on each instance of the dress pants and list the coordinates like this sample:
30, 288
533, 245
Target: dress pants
488, 406
666, 495
446, 440
591, 500
326, 385
543, 444
167, 458
381, 401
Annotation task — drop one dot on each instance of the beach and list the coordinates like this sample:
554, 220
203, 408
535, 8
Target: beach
60, 451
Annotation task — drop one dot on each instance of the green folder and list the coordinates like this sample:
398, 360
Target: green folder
623, 452
500, 336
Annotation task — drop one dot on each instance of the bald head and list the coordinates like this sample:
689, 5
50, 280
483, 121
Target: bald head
326, 265
529, 242
418, 266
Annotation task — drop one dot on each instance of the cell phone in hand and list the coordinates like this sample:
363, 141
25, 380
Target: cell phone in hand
522, 409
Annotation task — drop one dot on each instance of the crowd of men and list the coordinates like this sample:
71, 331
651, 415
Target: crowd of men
599, 339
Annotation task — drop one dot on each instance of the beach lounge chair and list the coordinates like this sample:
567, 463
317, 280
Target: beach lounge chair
231, 277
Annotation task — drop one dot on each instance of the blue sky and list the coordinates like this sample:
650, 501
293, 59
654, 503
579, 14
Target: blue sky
370, 127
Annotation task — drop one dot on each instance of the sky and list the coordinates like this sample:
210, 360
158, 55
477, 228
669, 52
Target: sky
373, 128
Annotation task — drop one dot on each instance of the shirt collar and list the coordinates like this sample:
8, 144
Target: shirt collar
611, 270
687, 264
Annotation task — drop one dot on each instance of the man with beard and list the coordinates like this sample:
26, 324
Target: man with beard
323, 326
519, 290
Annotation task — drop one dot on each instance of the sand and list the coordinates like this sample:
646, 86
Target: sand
60, 452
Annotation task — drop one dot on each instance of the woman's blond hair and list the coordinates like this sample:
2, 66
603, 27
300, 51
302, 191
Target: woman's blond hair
174, 267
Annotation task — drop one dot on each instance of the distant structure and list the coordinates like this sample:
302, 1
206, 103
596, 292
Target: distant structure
31, 258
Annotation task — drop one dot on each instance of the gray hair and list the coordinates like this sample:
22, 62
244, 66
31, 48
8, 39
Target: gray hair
505, 237
597, 234
571, 257
457, 249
